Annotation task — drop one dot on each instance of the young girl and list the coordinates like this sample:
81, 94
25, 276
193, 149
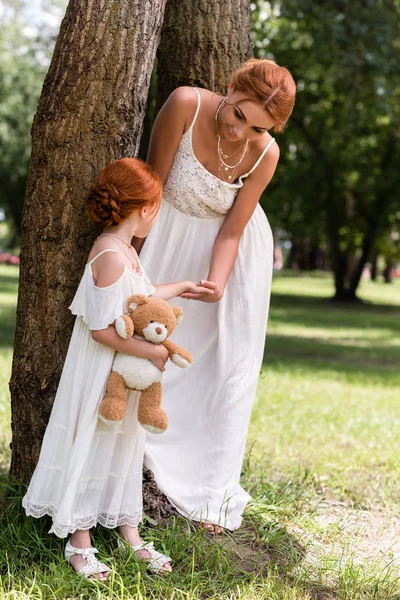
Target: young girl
90, 473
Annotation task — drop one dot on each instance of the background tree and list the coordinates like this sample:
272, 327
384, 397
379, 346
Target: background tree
90, 112
338, 179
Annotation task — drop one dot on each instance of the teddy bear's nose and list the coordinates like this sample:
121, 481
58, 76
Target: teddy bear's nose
158, 330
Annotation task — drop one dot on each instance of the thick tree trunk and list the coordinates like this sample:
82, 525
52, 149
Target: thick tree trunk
202, 43
90, 112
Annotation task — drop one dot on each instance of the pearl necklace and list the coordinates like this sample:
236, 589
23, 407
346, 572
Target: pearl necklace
221, 154
135, 267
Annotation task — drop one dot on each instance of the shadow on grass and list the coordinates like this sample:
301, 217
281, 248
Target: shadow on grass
316, 353
301, 311
9, 284
7, 326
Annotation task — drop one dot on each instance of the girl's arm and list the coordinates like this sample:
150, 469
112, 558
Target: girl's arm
227, 243
178, 288
171, 123
106, 270
156, 353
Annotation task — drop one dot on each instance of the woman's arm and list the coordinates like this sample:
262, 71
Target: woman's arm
171, 123
227, 243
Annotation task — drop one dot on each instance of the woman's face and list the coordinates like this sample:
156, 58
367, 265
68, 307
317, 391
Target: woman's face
241, 118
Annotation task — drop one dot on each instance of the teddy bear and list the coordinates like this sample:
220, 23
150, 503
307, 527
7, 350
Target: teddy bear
151, 319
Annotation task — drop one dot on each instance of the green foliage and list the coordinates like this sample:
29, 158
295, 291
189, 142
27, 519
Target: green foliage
338, 178
25, 51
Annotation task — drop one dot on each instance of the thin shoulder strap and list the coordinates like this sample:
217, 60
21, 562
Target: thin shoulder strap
197, 109
263, 153
102, 252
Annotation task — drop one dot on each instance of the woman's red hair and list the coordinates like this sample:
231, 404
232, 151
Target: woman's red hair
122, 187
269, 84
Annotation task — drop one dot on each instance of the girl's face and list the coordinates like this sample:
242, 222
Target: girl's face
241, 118
146, 218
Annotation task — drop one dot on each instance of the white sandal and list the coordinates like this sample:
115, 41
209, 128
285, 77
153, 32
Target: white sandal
93, 566
156, 561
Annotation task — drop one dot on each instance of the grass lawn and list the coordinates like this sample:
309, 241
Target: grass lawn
322, 467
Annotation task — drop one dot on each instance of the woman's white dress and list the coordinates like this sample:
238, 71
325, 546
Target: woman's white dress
197, 461
89, 472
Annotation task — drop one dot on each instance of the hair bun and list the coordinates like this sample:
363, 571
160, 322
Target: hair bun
104, 203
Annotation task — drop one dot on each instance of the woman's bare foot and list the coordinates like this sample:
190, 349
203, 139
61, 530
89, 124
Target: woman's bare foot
131, 535
81, 539
212, 528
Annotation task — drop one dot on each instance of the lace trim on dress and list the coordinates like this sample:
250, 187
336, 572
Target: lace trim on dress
62, 531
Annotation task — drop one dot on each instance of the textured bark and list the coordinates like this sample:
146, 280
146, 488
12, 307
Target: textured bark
90, 112
202, 43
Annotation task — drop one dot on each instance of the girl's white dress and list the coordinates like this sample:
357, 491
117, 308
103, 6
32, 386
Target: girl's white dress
197, 461
89, 472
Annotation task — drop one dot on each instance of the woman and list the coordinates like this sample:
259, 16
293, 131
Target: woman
215, 157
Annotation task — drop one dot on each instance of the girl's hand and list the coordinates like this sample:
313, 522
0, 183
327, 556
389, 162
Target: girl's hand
210, 286
190, 287
158, 355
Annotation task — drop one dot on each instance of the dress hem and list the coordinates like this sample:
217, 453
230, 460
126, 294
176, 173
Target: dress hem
62, 531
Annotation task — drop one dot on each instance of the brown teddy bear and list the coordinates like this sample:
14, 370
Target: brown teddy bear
154, 320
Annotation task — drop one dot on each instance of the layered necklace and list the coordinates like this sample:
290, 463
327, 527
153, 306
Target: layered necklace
136, 264
224, 168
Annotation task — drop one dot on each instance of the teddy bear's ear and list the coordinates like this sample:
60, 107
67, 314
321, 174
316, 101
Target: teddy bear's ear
178, 314
136, 300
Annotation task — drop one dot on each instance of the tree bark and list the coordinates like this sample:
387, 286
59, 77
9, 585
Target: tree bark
202, 43
90, 112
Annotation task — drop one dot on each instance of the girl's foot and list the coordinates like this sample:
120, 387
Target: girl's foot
157, 562
212, 528
81, 556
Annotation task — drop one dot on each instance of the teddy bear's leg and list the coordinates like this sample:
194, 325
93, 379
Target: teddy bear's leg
113, 406
150, 414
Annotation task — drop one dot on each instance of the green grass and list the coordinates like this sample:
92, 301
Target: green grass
322, 467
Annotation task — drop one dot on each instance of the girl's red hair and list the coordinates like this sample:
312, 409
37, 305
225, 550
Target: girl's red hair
269, 84
122, 187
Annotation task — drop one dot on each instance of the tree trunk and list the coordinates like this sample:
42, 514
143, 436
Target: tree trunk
388, 270
374, 266
202, 43
368, 242
90, 112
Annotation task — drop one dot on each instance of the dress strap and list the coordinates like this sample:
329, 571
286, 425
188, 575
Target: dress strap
263, 153
102, 252
197, 109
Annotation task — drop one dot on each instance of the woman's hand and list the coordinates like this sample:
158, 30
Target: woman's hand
158, 355
203, 296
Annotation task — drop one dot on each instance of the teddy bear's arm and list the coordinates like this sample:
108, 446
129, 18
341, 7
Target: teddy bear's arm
124, 326
178, 355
